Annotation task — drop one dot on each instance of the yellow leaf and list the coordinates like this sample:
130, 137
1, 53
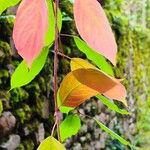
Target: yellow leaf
51, 143
72, 93
89, 75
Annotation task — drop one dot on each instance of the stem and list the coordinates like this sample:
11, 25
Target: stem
63, 55
68, 35
54, 126
56, 49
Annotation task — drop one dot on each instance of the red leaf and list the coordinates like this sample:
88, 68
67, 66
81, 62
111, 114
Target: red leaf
72, 93
94, 28
30, 27
118, 92
96, 79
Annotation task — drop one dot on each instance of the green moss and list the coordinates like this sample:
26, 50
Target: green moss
4, 76
6, 23
24, 113
18, 95
28, 144
5, 52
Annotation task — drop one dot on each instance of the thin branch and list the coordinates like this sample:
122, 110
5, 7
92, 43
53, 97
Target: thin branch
54, 126
68, 35
63, 55
56, 49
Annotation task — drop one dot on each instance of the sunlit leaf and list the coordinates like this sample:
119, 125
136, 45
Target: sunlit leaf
30, 28
51, 143
94, 28
95, 79
113, 134
92, 55
72, 93
23, 75
4, 4
117, 92
70, 126
50, 34
63, 109
111, 105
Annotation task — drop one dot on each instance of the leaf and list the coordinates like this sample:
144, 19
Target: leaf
113, 134
51, 143
96, 79
111, 105
70, 126
23, 75
72, 93
4, 4
117, 92
94, 28
92, 55
50, 34
63, 109
30, 28
1, 107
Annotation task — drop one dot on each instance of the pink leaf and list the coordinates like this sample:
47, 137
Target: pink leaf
94, 28
30, 27
118, 92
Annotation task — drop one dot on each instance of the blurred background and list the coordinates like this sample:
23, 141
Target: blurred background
27, 112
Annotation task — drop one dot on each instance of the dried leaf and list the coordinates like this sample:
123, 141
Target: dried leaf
72, 93
96, 79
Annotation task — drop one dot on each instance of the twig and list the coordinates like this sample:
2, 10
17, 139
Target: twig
54, 126
63, 55
68, 35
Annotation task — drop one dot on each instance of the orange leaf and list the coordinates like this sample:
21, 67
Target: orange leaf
118, 92
72, 93
95, 79
94, 28
30, 27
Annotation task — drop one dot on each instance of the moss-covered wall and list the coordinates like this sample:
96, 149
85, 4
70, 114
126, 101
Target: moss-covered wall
131, 23
30, 105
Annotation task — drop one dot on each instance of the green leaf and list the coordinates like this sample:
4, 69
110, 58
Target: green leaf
111, 105
50, 35
4, 4
1, 107
92, 55
113, 134
51, 143
63, 109
23, 75
70, 126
